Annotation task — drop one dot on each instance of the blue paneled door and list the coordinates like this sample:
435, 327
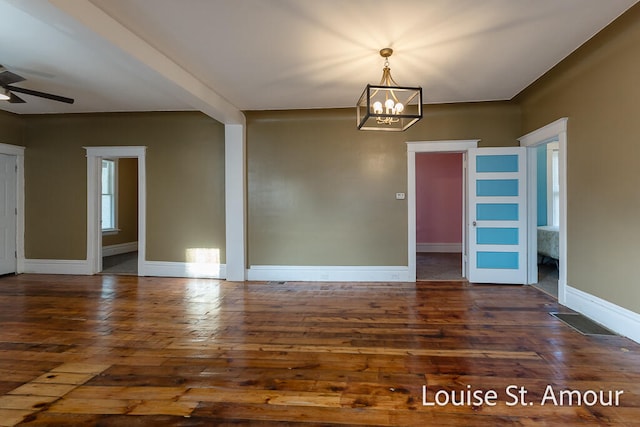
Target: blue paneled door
497, 215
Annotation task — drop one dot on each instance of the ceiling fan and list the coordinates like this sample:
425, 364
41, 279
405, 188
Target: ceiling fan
7, 78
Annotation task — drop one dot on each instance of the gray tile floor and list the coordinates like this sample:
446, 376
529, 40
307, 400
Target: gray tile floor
121, 264
548, 278
438, 266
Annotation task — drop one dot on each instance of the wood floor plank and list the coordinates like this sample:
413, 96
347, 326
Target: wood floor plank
22, 402
42, 389
93, 406
180, 408
63, 378
127, 351
81, 368
11, 417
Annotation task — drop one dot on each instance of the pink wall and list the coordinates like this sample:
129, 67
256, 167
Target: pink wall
439, 197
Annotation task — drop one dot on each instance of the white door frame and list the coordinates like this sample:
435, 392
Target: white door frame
413, 147
18, 152
94, 230
556, 131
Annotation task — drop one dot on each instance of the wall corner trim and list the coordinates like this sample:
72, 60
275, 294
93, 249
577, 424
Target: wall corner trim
235, 176
618, 319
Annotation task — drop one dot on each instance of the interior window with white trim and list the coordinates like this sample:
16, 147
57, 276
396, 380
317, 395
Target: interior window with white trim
109, 195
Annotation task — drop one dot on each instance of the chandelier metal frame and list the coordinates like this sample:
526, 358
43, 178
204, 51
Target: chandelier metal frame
388, 106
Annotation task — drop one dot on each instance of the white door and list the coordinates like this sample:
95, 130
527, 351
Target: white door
497, 215
7, 214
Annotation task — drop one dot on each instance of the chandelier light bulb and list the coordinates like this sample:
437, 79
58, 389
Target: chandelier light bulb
399, 108
377, 107
389, 104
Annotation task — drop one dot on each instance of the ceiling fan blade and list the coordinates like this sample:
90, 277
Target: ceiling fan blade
40, 94
7, 77
15, 99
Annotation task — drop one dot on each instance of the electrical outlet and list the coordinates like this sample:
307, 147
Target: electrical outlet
400, 196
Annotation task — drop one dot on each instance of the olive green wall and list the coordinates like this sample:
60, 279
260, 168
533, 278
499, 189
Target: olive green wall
11, 128
320, 192
597, 89
185, 181
127, 204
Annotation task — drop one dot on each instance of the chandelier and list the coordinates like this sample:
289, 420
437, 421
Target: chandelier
388, 106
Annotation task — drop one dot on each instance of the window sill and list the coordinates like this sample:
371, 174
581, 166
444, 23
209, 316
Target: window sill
110, 231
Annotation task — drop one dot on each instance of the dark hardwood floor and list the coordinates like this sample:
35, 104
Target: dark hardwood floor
128, 351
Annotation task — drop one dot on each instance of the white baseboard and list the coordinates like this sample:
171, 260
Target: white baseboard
149, 268
120, 248
56, 266
328, 273
618, 319
183, 269
439, 247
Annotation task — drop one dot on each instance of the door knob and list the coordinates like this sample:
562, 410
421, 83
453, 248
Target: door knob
473, 223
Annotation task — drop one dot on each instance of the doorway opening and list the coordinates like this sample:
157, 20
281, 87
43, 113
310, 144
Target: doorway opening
548, 216
439, 224
119, 215
116, 210
547, 207
415, 148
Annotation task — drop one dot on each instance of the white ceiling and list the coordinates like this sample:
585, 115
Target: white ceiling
221, 56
